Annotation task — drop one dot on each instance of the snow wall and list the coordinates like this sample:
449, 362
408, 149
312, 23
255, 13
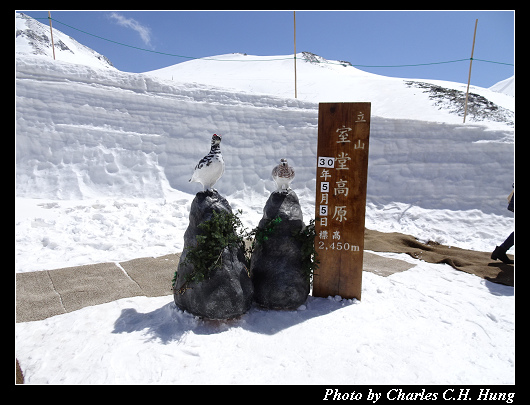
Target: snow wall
84, 133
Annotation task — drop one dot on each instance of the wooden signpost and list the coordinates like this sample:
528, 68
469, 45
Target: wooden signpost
342, 172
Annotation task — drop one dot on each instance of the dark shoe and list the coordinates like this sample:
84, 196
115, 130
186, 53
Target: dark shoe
499, 254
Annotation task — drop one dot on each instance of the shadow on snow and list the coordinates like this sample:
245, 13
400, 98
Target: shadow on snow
169, 323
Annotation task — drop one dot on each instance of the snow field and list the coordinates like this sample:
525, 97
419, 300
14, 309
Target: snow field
53, 234
427, 325
68, 233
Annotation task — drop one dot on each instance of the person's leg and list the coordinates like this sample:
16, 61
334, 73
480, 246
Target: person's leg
508, 243
500, 251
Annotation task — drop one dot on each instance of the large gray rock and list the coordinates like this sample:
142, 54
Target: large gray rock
276, 266
227, 293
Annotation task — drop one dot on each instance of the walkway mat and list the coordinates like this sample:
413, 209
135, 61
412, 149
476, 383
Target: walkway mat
153, 274
469, 261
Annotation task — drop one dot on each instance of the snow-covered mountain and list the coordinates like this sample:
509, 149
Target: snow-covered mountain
33, 38
506, 86
321, 80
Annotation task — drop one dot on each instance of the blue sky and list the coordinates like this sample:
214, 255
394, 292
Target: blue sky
360, 37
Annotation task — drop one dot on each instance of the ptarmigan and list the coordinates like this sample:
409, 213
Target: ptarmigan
283, 175
211, 167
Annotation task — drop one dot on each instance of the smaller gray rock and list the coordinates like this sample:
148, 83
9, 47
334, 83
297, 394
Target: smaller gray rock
227, 292
276, 265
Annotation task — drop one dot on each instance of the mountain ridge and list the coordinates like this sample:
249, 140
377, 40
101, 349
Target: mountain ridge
33, 38
321, 80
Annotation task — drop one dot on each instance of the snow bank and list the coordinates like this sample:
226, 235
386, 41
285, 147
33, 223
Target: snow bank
84, 133
442, 166
124, 134
52, 234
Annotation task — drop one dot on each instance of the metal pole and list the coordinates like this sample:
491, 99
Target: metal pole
295, 89
470, 64
51, 33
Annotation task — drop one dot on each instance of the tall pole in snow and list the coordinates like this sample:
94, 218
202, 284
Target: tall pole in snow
295, 90
51, 33
470, 64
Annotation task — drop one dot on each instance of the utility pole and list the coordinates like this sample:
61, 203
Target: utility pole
295, 90
51, 33
470, 64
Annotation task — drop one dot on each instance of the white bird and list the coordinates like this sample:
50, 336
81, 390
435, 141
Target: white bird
283, 175
211, 167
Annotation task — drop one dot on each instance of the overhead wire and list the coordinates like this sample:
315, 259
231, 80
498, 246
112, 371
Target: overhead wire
270, 59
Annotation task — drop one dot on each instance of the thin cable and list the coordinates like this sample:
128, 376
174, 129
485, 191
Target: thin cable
491, 61
269, 60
